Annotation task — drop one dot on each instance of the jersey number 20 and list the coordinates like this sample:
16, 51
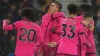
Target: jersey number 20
28, 34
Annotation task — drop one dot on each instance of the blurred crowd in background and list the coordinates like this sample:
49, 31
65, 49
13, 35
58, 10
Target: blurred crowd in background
10, 9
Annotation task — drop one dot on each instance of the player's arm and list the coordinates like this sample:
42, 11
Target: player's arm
92, 42
53, 44
58, 16
91, 37
83, 39
39, 35
92, 25
91, 30
40, 40
6, 26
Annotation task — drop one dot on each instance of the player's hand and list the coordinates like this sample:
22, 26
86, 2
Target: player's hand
92, 27
52, 44
8, 21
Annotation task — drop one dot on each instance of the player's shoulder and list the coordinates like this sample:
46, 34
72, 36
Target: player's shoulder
66, 19
17, 22
45, 16
79, 26
35, 25
59, 14
79, 18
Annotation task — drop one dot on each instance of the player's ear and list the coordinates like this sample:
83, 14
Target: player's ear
57, 9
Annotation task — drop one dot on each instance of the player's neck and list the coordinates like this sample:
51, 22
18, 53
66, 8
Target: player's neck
72, 15
49, 12
56, 11
26, 19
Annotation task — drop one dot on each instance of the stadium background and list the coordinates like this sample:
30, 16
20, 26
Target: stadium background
10, 8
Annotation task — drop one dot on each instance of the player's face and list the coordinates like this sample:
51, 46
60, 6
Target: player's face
49, 11
89, 20
53, 7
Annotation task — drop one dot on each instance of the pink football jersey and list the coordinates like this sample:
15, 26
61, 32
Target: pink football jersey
79, 18
27, 34
83, 43
50, 21
57, 25
46, 21
90, 38
69, 41
71, 33
51, 29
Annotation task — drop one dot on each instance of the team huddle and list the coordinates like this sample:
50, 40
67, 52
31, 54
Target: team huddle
57, 35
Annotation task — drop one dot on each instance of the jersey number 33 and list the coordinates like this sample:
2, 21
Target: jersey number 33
65, 31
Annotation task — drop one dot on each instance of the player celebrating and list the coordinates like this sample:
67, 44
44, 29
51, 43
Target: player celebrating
85, 24
69, 40
72, 32
82, 9
27, 33
51, 28
91, 51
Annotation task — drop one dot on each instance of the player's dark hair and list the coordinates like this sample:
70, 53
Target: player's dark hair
87, 14
47, 8
29, 13
84, 8
97, 9
72, 8
58, 4
88, 8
